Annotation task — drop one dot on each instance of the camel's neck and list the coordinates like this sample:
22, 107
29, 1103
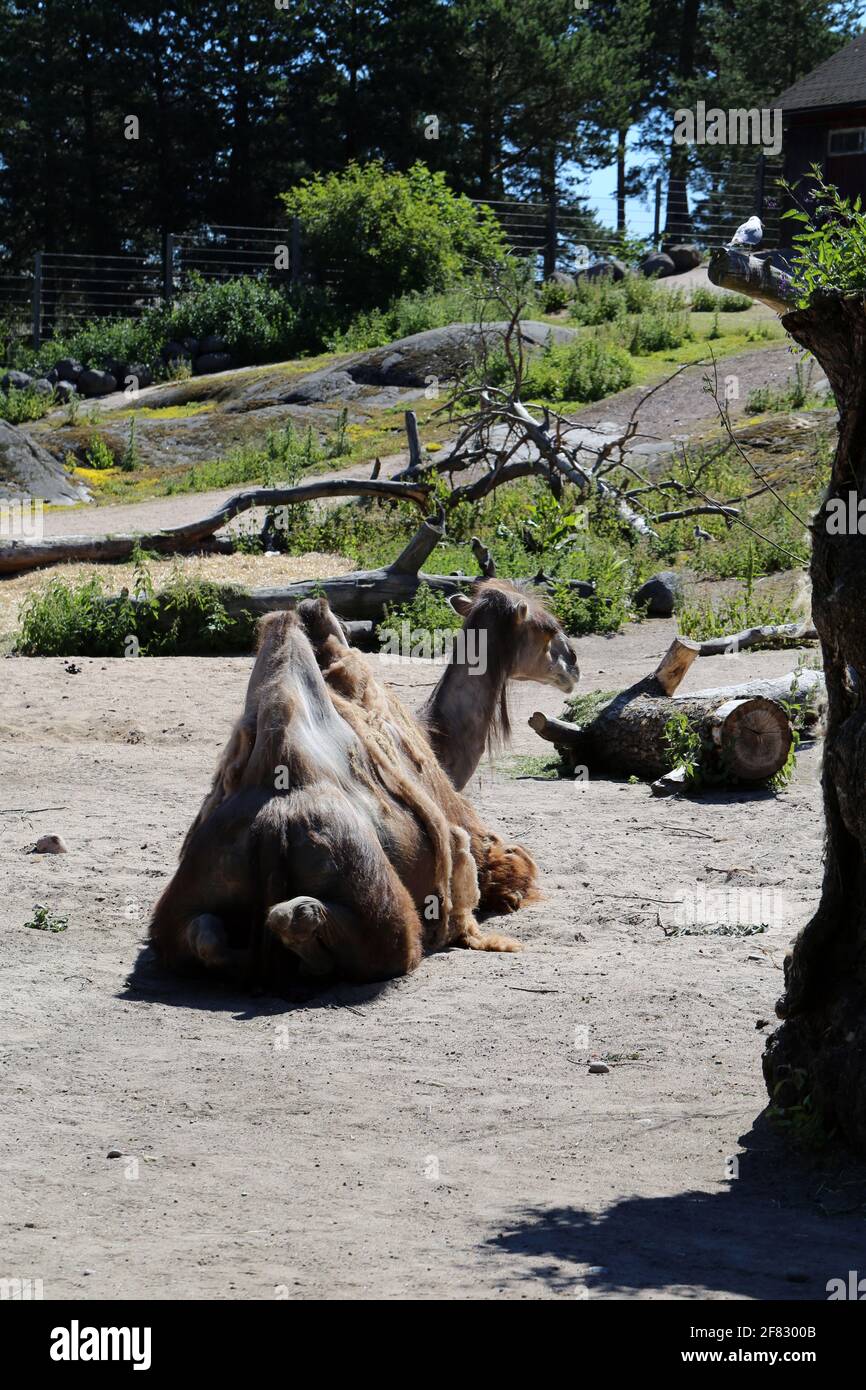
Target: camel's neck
458, 717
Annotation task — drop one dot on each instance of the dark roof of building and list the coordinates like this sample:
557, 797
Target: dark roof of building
840, 81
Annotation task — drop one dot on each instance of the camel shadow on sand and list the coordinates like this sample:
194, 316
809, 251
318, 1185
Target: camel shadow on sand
780, 1230
212, 994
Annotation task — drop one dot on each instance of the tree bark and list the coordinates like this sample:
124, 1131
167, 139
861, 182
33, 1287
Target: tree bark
819, 1053
757, 277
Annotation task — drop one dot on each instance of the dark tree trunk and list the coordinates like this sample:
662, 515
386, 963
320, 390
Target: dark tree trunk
678, 222
819, 1052
621, 138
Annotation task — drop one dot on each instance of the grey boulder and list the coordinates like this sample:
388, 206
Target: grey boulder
15, 381
658, 264
68, 369
610, 268
659, 594
684, 255
93, 383
28, 470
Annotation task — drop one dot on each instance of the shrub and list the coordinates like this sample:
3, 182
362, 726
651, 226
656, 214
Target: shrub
553, 296
707, 301
385, 233
18, 406
187, 617
257, 320
597, 301
427, 611
411, 313
98, 454
587, 370
829, 245
658, 328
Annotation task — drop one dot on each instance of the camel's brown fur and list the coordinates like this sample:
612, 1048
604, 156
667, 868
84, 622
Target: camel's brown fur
317, 833
507, 875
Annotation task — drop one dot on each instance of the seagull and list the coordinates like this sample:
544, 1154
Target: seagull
748, 234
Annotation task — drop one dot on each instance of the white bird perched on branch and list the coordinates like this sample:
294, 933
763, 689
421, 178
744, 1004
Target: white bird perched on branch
748, 233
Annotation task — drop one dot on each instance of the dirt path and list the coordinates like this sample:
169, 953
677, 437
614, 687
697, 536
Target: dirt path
438, 1136
682, 406
159, 512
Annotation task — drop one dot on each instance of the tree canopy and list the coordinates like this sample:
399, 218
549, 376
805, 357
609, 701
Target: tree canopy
235, 101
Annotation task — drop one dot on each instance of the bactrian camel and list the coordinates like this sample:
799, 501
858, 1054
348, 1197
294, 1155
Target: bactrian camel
331, 828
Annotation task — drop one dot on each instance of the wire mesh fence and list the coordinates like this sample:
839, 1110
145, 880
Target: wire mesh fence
223, 252
63, 289
706, 214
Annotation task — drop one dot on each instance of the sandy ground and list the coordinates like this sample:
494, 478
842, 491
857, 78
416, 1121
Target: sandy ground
437, 1136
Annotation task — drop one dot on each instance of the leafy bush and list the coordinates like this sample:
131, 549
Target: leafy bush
597, 301
17, 406
258, 320
98, 455
553, 296
385, 233
705, 620
587, 370
664, 325
411, 313
187, 617
707, 301
830, 245
427, 611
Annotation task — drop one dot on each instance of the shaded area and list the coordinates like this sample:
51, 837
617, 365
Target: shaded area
779, 1230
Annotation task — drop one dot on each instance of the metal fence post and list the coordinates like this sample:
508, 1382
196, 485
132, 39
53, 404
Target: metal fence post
762, 174
550, 246
37, 299
168, 245
295, 251
657, 220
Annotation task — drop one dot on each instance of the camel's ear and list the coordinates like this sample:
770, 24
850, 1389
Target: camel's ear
461, 603
521, 611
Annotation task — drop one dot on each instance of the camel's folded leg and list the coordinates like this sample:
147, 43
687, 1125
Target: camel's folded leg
331, 938
207, 941
465, 895
299, 924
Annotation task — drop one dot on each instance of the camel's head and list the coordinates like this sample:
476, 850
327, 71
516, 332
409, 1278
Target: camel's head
524, 639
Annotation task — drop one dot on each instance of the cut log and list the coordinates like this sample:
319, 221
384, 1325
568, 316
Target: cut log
675, 662
798, 690
749, 740
744, 731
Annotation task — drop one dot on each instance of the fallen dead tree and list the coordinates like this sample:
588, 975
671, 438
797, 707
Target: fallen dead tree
30, 554
771, 635
743, 732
